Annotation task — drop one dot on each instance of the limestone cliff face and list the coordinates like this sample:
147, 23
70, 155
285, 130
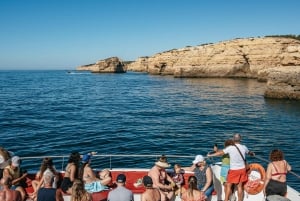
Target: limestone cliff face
234, 58
109, 65
283, 83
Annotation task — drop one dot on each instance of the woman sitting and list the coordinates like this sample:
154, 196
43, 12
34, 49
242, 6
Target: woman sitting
275, 182
91, 183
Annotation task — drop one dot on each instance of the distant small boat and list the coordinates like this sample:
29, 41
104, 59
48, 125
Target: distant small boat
253, 192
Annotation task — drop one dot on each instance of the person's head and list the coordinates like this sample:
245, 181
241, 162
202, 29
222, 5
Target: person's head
86, 158
199, 161
162, 163
177, 168
121, 179
15, 162
46, 163
192, 182
147, 181
78, 190
74, 158
237, 138
104, 174
276, 155
228, 142
48, 178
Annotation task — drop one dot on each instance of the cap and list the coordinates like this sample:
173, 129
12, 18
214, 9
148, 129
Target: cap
198, 159
147, 181
15, 161
86, 158
121, 178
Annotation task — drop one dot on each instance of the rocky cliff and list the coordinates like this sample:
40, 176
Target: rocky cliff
239, 58
109, 65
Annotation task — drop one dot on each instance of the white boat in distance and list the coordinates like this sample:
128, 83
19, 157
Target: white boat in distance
253, 188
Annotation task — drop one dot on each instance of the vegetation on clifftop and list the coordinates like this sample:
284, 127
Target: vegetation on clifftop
286, 36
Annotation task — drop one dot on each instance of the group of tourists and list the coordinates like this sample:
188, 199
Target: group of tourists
80, 181
234, 171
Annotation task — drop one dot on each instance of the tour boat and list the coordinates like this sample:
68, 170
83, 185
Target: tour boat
252, 189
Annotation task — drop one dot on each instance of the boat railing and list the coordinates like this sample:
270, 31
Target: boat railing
108, 160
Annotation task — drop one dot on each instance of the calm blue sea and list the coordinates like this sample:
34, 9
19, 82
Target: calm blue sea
55, 112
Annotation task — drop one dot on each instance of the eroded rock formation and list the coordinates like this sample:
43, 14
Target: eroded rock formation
109, 65
239, 58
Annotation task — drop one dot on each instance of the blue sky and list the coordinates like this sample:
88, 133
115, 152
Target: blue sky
64, 34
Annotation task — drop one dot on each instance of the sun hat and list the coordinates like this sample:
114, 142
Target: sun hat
147, 181
198, 159
15, 161
86, 158
162, 162
121, 178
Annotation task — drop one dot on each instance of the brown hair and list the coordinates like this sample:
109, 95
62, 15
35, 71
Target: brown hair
192, 185
228, 142
276, 155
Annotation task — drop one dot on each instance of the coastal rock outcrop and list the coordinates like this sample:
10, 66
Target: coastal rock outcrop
233, 58
109, 65
283, 83
266, 59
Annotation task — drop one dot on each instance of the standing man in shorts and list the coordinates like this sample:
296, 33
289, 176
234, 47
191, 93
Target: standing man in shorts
237, 174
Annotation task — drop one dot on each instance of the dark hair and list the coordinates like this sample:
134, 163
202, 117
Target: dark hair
47, 163
276, 155
75, 158
192, 185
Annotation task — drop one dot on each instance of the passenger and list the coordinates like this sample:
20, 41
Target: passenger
275, 182
6, 193
79, 193
47, 192
105, 177
16, 175
91, 183
178, 179
5, 158
203, 174
150, 193
237, 173
121, 193
193, 193
46, 166
160, 178
71, 172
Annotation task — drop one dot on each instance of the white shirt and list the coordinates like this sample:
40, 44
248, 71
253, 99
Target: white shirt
236, 160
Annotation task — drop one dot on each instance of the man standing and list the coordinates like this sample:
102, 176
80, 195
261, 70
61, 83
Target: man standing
7, 194
121, 193
237, 173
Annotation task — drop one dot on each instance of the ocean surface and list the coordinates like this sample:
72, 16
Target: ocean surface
53, 113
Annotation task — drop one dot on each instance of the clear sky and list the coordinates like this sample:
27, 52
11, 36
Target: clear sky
64, 34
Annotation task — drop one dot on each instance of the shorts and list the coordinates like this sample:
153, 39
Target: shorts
237, 176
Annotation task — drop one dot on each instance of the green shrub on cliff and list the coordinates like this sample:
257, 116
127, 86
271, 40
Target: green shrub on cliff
286, 36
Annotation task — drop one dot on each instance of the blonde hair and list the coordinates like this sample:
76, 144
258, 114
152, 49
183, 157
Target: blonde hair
78, 191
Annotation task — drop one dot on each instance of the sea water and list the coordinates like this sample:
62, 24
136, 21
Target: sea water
49, 113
